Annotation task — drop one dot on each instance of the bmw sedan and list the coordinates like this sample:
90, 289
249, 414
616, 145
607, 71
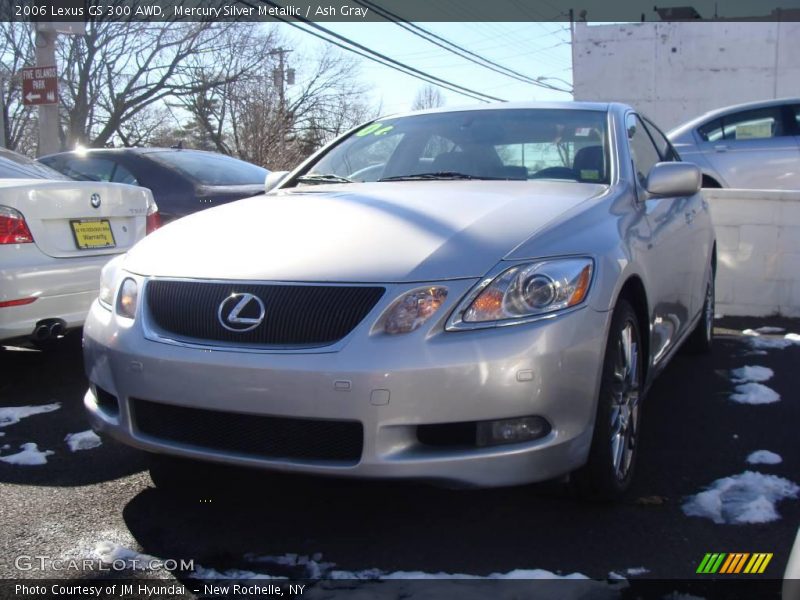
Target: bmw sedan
182, 181
475, 297
55, 236
748, 146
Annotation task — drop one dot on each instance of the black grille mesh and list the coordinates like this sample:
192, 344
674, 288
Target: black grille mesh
256, 435
300, 315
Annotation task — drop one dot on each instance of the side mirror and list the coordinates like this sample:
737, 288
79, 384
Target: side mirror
273, 179
673, 179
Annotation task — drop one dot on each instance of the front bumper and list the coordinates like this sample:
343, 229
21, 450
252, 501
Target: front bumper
390, 384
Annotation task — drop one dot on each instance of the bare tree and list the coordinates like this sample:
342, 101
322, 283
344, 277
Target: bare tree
16, 52
117, 70
428, 96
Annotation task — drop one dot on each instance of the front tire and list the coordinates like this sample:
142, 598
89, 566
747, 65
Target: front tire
701, 340
608, 473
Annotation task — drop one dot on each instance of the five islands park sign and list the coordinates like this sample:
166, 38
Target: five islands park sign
39, 85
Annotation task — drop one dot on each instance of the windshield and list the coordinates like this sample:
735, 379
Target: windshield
211, 169
518, 144
16, 166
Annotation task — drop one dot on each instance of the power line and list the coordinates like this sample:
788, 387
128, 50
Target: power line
453, 47
383, 59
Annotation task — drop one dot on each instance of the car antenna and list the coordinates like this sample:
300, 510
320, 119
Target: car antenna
178, 146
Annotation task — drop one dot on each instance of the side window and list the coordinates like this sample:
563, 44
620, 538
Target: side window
712, 131
644, 152
762, 123
665, 149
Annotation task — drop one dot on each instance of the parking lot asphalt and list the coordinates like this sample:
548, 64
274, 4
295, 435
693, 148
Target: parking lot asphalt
693, 434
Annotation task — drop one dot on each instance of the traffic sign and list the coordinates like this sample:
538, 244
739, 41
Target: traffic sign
39, 85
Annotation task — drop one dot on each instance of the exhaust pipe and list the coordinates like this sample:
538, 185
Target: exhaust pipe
49, 329
41, 333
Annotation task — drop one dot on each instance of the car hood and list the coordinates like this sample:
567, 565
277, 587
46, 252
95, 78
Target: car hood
366, 232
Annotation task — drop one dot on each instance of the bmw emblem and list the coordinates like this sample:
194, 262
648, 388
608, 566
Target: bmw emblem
95, 200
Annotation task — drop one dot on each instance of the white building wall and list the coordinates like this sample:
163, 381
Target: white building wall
758, 251
675, 71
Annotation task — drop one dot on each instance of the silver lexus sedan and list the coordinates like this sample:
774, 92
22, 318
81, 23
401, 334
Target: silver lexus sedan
474, 297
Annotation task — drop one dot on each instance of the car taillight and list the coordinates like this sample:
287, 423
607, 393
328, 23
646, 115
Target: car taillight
13, 228
153, 217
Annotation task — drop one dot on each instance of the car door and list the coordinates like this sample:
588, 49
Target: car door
668, 256
752, 149
698, 220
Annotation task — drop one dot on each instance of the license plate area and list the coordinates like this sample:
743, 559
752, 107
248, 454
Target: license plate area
92, 234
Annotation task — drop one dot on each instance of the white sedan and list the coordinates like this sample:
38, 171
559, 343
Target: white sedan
55, 236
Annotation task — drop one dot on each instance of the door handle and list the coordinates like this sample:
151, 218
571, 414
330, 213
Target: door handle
690, 214
720, 147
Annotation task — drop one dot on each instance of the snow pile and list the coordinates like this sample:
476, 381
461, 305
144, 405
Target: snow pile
764, 457
754, 374
637, 571
792, 337
754, 393
85, 440
375, 583
763, 343
746, 498
11, 415
750, 332
768, 330
29, 455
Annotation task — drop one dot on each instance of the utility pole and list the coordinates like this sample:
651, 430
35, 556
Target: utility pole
3, 143
282, 76
49, 141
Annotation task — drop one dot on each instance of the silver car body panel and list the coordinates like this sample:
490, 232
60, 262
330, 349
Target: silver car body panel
387, 234
769, 163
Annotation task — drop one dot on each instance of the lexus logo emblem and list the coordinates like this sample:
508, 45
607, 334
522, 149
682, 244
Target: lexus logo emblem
95, 200
241, 312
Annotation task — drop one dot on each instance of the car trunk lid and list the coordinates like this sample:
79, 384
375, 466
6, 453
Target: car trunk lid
76, 218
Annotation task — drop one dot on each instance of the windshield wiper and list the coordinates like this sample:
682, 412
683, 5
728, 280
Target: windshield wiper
444, 175
319, 178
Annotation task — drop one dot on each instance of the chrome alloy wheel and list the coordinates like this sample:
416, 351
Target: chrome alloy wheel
625, 401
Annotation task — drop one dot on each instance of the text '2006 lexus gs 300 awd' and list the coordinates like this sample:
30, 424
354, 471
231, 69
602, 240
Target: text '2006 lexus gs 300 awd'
475, 297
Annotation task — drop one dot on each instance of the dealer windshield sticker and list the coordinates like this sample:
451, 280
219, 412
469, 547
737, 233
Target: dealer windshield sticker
375, 129
755, 130
583, 131
734, 563
590, 174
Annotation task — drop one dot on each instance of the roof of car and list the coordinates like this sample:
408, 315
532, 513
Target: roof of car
601, 106
718, 112
128, 151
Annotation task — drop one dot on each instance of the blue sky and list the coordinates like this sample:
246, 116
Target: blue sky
533, 49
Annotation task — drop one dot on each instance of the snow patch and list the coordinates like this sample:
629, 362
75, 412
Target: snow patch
751, 332
792, 337
11, 415
770, 330
754, 374
745, 498
764, 457
637, 571
85, 440
763, 343
28, 456
754, 393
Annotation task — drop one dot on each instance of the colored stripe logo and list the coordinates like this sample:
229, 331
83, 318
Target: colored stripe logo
734, 563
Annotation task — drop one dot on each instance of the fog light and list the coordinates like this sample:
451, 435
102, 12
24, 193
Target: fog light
512, 431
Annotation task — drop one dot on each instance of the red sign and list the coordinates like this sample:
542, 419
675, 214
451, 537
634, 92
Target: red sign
39, 85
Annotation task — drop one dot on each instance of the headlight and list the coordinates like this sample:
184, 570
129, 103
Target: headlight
412, 310
526, 291
127, 298
108, 280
